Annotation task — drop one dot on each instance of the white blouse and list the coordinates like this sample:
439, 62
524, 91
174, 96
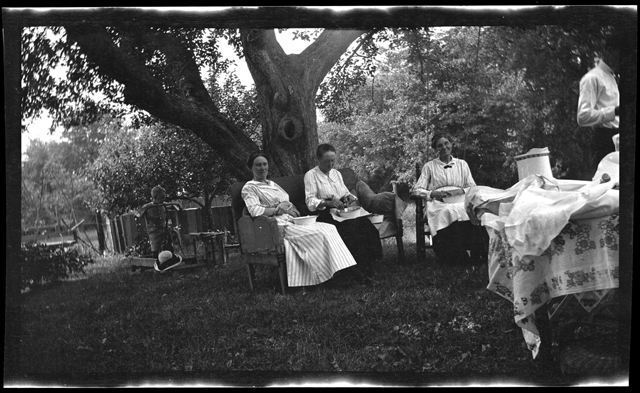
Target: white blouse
258, 196
318, 186
436, 174
598, 99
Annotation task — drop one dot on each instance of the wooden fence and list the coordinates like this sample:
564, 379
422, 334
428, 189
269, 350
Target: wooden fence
121, 232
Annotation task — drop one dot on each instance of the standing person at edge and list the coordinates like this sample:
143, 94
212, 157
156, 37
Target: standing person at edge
599, 101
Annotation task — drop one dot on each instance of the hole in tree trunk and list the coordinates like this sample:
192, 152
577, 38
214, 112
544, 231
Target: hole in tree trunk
290, 128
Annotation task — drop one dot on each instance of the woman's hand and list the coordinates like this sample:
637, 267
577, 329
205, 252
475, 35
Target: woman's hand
440, 195
282, 208
349, 199
334, 202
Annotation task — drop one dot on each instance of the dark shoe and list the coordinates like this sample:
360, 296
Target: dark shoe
167, 260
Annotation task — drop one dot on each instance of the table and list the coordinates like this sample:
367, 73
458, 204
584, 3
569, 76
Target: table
582, 262
211, 242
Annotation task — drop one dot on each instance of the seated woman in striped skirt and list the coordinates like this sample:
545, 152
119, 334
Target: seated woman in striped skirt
314, 253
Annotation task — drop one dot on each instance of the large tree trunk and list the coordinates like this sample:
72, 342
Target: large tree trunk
287, 87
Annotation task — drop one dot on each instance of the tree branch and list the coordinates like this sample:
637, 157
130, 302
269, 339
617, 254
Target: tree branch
144, 91
266, 60
319, 57
183, 68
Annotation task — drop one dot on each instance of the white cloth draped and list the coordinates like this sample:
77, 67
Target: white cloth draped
538, 211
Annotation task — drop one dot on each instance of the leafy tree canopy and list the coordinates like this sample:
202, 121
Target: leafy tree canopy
497, 91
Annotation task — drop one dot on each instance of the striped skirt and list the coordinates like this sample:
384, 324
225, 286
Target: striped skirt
314, 253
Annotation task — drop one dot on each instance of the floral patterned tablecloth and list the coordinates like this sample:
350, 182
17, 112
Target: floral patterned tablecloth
582, 259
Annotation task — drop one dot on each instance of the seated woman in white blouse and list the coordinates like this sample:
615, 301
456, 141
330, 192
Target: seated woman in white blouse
449, 223
313, 253
325, 189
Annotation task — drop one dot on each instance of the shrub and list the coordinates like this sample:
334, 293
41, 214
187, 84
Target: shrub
42, 264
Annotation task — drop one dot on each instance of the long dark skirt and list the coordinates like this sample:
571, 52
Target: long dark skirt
451, 243
359, 235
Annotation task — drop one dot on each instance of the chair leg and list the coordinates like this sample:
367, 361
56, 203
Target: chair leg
400, 245
421, 253
251, 271
282, 270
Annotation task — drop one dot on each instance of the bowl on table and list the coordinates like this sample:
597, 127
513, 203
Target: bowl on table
376, 218
305, 220
350, 212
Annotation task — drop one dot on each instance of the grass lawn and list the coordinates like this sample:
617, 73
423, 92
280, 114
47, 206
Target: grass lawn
418, 324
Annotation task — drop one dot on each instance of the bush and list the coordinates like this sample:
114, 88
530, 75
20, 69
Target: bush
42, 264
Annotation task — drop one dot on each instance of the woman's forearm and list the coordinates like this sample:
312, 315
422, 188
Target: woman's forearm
269, 211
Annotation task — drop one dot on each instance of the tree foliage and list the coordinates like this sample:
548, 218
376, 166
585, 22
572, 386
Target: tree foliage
160, 70
133, 161
55, 188
498, 91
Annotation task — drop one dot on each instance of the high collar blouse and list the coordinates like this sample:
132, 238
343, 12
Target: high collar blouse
319, 186
259, 195
437, 174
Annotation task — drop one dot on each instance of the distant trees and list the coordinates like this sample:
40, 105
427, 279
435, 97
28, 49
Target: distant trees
120, 159
54, 190
133, 161
498, 91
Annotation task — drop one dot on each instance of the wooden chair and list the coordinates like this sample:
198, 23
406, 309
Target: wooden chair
424, 240
260, 244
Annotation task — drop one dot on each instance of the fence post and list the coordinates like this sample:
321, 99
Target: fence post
100, 231
194, 218
129, 229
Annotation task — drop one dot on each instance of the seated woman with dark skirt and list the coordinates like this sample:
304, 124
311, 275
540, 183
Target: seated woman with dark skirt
449, 223
324, 190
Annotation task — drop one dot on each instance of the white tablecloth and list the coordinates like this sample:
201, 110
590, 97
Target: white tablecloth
584, 257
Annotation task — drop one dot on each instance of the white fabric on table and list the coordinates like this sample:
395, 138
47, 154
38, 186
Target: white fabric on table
535, 210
